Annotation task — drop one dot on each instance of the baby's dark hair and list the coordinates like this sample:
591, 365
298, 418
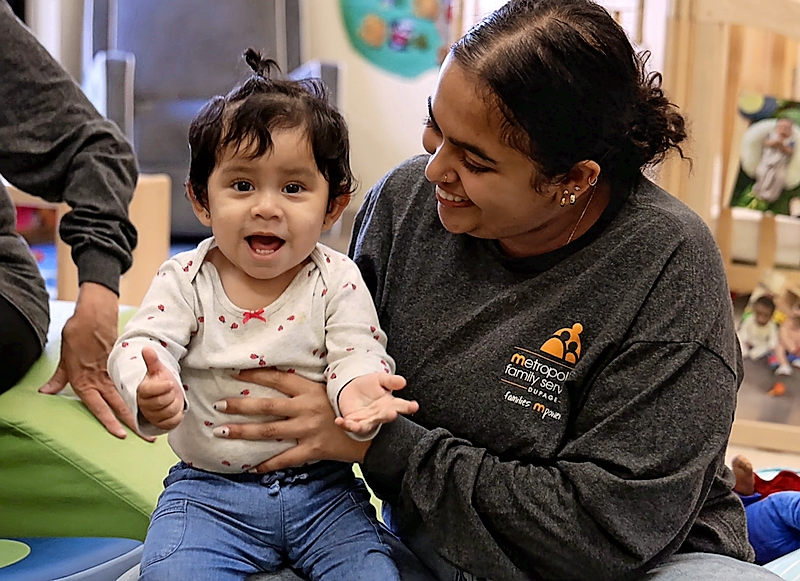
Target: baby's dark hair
246, 117
765, 302
570, 88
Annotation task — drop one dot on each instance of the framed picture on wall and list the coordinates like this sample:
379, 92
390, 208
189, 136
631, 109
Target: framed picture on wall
769, 156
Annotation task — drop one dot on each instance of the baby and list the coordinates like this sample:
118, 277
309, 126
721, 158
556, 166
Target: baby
777, 152
758, 333
269, 173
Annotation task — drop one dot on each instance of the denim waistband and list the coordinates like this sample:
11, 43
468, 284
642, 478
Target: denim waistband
317, 470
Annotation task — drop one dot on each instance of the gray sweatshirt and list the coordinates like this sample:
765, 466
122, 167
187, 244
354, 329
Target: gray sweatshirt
55, 145
575, 407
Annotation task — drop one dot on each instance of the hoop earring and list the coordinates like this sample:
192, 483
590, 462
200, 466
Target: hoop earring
593, 183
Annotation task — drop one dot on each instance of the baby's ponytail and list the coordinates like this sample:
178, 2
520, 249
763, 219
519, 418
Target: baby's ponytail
262, 66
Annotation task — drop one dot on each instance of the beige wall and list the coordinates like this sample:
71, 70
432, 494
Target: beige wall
385, 112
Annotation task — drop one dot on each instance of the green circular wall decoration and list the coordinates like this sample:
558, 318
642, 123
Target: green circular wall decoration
404, 37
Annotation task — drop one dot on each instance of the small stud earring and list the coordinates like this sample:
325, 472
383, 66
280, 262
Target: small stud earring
445, 179
572, 199
564, 198
577, 188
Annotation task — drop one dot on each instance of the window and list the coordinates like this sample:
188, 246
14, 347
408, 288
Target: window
644, 21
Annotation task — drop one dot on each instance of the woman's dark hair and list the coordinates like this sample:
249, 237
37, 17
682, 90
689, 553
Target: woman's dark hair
247, 116
571, 88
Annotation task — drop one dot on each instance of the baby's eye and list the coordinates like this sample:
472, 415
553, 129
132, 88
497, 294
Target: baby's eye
242, 186
293, 188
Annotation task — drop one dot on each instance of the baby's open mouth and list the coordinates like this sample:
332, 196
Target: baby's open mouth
264, 244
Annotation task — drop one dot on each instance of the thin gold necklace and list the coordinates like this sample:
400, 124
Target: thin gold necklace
586, 207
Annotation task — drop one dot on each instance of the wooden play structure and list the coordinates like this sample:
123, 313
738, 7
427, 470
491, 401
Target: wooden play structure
716, 50
150, 213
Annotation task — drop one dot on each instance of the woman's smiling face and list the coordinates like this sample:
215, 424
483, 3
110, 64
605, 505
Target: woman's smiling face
484, 187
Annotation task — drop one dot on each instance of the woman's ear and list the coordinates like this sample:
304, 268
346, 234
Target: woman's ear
335, 208
582, 177
201, 212
588, 172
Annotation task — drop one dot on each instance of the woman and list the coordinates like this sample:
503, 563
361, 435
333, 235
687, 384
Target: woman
564, 324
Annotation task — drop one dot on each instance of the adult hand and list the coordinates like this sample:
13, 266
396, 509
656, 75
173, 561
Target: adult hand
86, 342
308, 415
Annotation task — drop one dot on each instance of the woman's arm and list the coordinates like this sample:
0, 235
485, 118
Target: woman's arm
624, 491
55, 145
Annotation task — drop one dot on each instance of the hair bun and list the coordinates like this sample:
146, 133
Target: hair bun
261, 66
658, 126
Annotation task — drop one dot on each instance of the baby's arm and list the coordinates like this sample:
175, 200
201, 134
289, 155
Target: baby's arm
360, 372
152, 345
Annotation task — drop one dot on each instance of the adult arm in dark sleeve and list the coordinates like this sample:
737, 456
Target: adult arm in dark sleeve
55, 145
618, 496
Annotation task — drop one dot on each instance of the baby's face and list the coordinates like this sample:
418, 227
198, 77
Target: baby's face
267, 213
762, 314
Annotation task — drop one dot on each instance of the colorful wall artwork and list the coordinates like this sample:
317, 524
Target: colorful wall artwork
404, 37
769, 171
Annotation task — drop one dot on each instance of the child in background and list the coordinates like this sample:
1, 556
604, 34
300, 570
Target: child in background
787, 351
269, 173
758, 333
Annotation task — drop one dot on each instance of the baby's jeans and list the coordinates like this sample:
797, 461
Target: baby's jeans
224, 527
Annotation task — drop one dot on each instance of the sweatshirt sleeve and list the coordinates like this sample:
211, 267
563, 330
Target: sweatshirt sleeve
55, 145
166, 322
354, 341
372, 239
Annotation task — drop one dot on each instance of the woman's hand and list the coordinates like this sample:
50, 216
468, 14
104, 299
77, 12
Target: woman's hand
308, 415
86, 341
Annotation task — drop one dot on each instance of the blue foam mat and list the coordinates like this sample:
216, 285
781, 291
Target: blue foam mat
74, 559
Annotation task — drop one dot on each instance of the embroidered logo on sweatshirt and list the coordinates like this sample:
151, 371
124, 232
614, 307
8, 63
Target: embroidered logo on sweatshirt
565, 344
541, 374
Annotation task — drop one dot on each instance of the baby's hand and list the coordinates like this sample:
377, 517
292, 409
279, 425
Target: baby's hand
367, 401
159, 398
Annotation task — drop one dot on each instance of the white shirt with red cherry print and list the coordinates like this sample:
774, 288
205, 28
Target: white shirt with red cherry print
323, 327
